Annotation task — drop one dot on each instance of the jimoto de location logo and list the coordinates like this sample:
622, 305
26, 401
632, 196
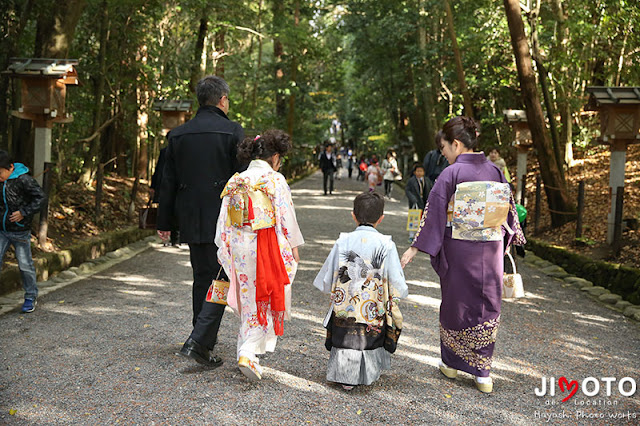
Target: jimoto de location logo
589, 387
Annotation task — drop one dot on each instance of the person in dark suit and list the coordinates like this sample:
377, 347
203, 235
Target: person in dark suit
200, 159
417, 191
154, 189
328, 166
434, 162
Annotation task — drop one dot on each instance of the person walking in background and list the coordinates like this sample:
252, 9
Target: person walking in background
495, 158
350, 164
374, 174
200, 159
258, 236
362, 168
338, 166
434, 162
470, 264
417, 191
328, 167
22, 197
362, 330
154, 193
390, 172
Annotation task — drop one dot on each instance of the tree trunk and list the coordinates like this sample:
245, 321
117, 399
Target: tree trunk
544, 85
278, 52
142, 95
420, 130
563, 81
98, 96
9, 47
423, 139
256, 75
56, 27
555, 186
468, 109
291, 113
219, 52
196, 67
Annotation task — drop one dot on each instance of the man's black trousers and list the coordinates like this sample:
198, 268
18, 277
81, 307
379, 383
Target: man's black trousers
328, 176
206, 315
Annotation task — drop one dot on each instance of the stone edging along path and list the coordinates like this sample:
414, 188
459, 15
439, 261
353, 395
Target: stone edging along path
12, 301
49, 264
598, 293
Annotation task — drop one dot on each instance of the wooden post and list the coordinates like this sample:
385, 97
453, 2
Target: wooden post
538, 195
42, 149
616, 181
580, 209
522, 183
521, 171
617, 235
44, 211
99, 177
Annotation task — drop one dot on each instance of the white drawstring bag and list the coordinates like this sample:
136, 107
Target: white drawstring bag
512, 286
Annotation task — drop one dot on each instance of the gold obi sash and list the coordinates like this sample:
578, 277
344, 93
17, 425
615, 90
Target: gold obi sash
250, 204
480, 209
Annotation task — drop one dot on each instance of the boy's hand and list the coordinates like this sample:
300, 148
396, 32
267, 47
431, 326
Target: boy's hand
407, 257
16, 216
164, 235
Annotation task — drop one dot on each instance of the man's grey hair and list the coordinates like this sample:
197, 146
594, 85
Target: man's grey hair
211, 89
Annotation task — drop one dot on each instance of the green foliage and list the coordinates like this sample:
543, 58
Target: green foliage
381, 68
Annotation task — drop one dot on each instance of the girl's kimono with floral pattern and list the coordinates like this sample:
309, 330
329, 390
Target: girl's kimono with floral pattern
237, 252
470, 271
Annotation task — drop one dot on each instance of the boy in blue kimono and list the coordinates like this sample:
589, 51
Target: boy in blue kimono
365, 280
22, 197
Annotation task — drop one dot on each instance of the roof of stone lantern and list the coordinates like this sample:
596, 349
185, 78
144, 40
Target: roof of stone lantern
47, 67
172, 105
601, 95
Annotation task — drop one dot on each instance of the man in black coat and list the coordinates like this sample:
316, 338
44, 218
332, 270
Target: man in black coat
328, 166
200, 159
156, 183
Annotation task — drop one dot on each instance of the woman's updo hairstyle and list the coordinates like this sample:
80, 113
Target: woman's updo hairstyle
264, 146
462, 128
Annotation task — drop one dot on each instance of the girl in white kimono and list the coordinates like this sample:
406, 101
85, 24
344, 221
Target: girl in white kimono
258, 238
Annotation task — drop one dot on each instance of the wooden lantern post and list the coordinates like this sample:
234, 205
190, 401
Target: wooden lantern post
174, 112
518, 120
43, 92
619, 109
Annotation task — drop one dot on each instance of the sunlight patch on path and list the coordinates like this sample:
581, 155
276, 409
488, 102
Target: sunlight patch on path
308, 317
137, 292
426, 284
295, 382
424, 300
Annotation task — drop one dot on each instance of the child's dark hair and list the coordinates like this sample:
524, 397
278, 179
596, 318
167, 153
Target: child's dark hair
5, 160
264, 146
368, 207
463, 129
417, 166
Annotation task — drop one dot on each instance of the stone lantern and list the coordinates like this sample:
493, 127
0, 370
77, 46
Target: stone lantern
174, 112
517, 118
619, 110
44, 84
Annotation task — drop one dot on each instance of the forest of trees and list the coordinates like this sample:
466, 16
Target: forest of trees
392, 71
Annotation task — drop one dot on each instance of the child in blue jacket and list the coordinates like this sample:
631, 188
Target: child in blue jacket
22, 197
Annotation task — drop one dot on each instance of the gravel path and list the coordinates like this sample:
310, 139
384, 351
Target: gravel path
103, 350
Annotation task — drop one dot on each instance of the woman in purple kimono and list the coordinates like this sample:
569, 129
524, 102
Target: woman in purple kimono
470, 271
